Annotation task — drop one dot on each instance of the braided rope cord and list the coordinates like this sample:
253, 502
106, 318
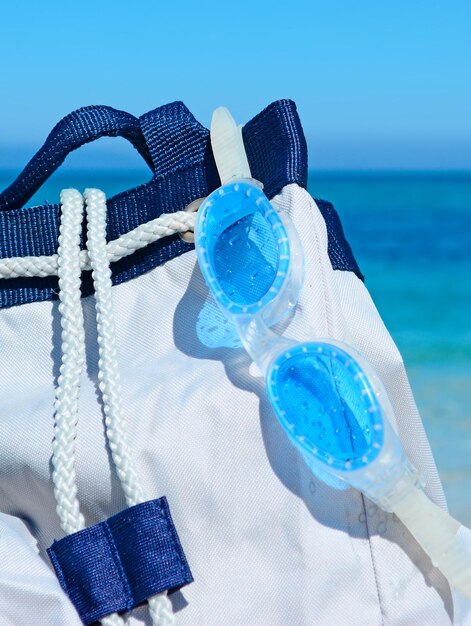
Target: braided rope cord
160, 607
163, 226
72, 344
68, 384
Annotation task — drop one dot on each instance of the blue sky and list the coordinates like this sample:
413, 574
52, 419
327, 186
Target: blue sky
379, 84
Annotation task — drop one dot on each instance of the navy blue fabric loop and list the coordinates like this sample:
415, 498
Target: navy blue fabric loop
178, 149
276, 147
339, 250
75, 130
177, 141
115, 565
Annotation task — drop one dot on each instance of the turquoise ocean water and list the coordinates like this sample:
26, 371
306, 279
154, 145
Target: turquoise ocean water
411, 235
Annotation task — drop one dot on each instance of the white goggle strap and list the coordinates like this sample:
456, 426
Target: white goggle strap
228, 147
436, 532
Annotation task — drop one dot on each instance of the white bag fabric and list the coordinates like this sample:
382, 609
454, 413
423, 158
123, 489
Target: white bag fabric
268, 544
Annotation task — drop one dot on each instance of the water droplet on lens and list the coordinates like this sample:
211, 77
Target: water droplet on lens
372, 509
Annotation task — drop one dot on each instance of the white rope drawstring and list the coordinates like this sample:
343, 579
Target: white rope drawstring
72, 345
163, 226
108, 374
68, 384
160, 607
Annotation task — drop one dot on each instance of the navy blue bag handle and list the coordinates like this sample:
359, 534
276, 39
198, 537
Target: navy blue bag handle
177, 149
75, 130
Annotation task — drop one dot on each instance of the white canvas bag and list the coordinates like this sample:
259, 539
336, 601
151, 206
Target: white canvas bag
268, 544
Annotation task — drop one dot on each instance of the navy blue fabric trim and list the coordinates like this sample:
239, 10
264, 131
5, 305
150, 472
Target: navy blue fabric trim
115, 565
338, 248
75, 130
266, 138
177, 148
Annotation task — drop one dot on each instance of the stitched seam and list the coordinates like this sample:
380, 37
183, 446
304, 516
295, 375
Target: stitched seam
119, 565
329, 327
171, 530
373, 562
59, 572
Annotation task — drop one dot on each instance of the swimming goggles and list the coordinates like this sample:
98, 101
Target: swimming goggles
329, 401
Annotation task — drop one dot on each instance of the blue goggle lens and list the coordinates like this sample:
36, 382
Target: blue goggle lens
327, 405
243, 247
246, 259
